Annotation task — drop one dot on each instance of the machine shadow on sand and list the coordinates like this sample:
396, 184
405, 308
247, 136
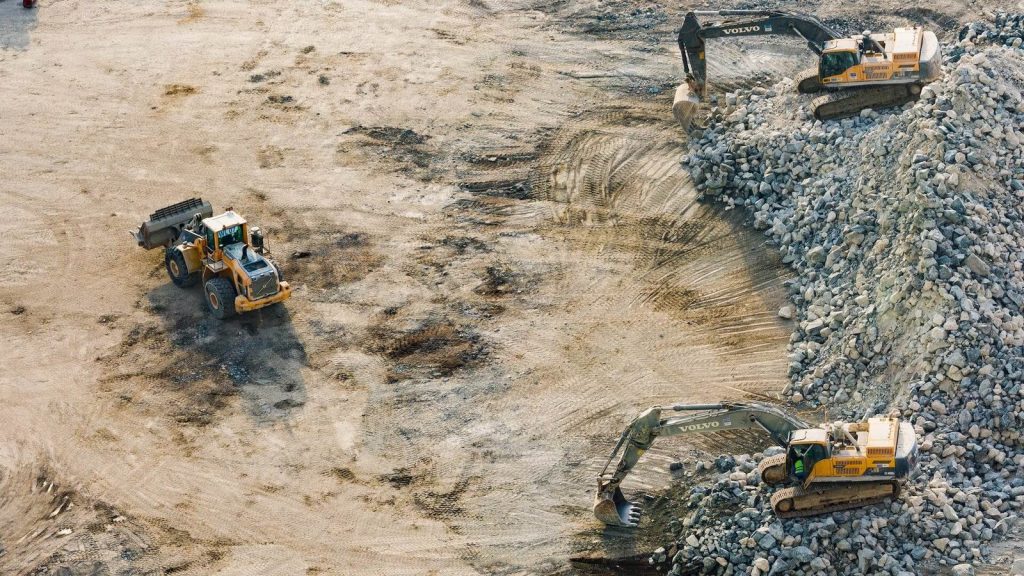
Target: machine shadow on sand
16, 25
257, 355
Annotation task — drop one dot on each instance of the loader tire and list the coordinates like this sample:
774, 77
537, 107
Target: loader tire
177, 269
220, 297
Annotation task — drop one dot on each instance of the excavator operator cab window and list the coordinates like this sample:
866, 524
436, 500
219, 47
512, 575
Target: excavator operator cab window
803, 457
833, 63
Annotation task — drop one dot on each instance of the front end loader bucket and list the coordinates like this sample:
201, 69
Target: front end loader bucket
684, 105
164, 225
612, 508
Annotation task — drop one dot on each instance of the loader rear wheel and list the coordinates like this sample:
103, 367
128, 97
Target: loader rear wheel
220, 297
177, 269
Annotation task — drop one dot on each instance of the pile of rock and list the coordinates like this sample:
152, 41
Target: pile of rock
1005, 30
906, 233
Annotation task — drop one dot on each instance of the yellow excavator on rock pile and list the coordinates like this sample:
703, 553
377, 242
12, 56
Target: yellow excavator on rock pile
862, 71
824, 469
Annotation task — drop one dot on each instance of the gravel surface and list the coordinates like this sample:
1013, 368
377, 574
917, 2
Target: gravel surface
906, 234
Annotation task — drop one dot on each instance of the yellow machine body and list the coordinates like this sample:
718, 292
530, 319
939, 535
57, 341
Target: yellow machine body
844, 62
862, 450
216, 264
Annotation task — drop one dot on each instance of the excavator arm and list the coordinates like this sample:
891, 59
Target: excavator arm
612, 508
743, 23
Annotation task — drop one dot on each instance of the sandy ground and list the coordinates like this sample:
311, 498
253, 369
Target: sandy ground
498, 263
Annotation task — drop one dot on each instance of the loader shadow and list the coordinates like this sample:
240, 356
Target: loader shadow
257, 356
16, 24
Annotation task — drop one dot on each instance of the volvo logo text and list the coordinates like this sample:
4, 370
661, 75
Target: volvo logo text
701, 426
741, 30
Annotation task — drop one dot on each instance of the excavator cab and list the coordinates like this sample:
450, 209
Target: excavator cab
837, 62
806, 449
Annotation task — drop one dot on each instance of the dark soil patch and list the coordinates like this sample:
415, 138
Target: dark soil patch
463, 244
399, 478
403, 147
500, 159
514, 189
343, 474
256, 78
617, 20
330, 260
390, 134
499, 280
432, 349
442, 504
179, 90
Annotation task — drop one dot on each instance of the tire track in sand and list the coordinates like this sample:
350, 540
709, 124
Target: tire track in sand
630, 293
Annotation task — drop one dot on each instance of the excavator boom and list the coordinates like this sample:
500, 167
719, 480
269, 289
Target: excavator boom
744, 23
612, 508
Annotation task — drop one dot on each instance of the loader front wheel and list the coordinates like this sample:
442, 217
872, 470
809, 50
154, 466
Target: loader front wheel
220, 297
177, 269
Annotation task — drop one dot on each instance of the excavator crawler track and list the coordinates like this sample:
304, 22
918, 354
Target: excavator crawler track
773, 469
797, 502
807, 82
850, 102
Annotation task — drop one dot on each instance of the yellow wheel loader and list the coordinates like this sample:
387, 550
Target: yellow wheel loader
863, 71
222, 252
824, 469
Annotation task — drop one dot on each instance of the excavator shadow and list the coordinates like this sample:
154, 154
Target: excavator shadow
16, 24
257, 355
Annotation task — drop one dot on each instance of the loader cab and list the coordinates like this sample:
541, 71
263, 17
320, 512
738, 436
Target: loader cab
806, 449
224, 230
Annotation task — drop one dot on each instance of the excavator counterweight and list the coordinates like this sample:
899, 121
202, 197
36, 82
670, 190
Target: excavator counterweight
829, 467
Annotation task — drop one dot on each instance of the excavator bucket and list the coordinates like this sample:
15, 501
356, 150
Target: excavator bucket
164, 225
684, 106
612, 508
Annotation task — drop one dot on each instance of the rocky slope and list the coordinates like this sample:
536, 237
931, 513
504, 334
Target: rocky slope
905, 230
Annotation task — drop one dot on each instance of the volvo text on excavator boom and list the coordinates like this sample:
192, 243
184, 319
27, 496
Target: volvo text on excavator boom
863, 71
825, 468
